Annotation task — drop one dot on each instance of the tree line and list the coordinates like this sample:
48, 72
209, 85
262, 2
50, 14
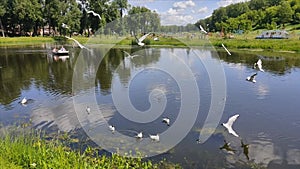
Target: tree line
252, 15
67, 17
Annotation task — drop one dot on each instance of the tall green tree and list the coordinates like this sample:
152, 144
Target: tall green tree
122, 6
285, 12
52, 13
2, 12
70, 15
28, 13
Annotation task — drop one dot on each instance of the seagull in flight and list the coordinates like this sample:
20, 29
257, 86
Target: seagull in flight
166, 120
226, 49
228, 125
94, 13
80, 45
141, 39
202, 30
259, 65
251, 78
130, 56
154, 137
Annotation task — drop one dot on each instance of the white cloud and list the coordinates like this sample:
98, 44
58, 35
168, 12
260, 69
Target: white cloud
203, 10
183, 4
228, 2
167, 19
172, 11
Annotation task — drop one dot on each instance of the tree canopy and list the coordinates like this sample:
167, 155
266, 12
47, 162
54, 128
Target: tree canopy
66, 17
254, 14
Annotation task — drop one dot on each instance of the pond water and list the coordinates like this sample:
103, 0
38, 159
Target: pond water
269, 120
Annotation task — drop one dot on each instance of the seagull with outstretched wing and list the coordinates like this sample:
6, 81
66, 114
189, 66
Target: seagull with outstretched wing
226, 49
166, 120
229, 123
130, 56
202, 30
259, 65
80, 45
141, 39
251, 78
94, 13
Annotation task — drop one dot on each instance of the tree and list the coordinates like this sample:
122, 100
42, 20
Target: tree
257, 4
122, 6
52, 13
70, 15
218, 16
236, 10
285, 13
2, 12
27, 12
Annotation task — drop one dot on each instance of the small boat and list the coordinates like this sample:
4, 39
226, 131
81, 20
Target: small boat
60, 52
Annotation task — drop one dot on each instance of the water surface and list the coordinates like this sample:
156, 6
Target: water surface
269, 109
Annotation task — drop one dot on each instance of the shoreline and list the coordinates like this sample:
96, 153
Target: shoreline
291, 46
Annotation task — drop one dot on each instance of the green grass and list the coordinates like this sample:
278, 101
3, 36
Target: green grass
17, 41
244, 41
30, 151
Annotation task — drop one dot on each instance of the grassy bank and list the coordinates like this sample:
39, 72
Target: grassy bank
19, 41
239, 42
30, 151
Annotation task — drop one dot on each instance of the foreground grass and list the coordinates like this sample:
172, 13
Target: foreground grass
30, 151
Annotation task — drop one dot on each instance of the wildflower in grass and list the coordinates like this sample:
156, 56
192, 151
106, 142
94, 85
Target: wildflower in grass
33, 165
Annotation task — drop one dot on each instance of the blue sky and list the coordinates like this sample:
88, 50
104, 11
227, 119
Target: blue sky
181, 12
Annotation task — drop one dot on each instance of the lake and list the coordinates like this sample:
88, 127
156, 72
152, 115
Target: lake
196, 88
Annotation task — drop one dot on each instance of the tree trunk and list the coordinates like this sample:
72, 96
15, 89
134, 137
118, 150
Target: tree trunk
3, 35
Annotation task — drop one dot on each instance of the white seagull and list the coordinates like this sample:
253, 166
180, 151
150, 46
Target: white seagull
154, 137
130, 56
259, 65
24, 100
95, 14
202, 30
112, 128
64, 26
88, 109
80, 45
226, 49
139, 135
166, 120
141, 39
251, 78
229, 123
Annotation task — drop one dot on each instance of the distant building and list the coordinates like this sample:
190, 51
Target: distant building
273, 34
